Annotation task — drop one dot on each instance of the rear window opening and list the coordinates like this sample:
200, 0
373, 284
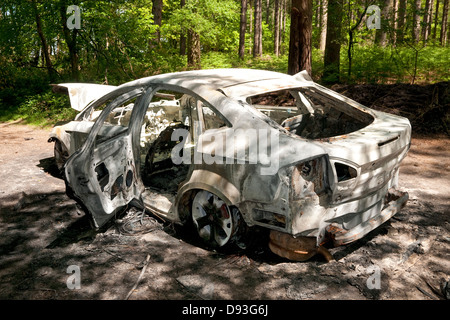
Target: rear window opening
310, 113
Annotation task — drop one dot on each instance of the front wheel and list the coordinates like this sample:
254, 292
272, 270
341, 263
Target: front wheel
215, 222
61, 155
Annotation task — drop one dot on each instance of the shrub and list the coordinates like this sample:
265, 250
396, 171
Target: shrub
45, 109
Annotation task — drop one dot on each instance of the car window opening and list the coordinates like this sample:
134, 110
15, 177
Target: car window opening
310, 114
162, 118
116, 122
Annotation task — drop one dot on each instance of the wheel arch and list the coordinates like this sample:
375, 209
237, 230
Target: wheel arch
58, 134
208, 181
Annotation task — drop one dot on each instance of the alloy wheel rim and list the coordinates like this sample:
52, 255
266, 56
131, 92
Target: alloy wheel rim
212, 218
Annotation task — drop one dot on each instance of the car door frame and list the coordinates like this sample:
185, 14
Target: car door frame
117, 151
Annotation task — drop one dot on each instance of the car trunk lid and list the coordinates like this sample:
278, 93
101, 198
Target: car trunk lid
365, 160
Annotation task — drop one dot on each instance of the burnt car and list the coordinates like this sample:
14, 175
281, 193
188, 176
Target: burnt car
230, 149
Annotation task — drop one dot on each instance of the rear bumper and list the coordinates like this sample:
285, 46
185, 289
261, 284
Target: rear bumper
395, 200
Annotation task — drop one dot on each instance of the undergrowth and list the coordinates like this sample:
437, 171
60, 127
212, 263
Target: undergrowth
26, 93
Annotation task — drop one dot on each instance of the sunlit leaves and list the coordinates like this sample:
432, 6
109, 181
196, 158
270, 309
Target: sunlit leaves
215, 20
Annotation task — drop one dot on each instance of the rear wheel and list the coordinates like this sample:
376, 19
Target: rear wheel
215, 222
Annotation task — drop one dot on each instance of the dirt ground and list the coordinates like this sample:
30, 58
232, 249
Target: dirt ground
46, 240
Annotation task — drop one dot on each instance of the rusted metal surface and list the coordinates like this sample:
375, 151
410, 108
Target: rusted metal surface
329, 163
297, 249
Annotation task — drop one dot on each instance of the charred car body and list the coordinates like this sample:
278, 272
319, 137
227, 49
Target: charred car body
224, 148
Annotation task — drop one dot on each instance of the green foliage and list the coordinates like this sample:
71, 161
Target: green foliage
217, 60
117, 43
42, 109
18, 83
375, 64
268, 62
215, 20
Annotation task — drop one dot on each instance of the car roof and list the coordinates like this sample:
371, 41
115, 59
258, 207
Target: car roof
233, 82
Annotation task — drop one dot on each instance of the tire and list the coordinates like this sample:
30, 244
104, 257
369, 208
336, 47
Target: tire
214, 221
61, 155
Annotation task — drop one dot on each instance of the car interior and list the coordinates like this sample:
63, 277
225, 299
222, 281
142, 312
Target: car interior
309, 113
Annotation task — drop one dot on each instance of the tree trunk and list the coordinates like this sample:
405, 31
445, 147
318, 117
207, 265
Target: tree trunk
284, 12
333, 43
257, 39
193, 50
426, 25
183, 34
267, 12
381, 34
323, 24
430, 18
276, 29
394, 19
242, 29
250, 25
300, 38
70, 36
157, 18
416, 21
45, 48
443, 37
401, 19
436, 19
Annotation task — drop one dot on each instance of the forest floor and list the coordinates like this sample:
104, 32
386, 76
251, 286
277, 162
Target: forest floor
44, 232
